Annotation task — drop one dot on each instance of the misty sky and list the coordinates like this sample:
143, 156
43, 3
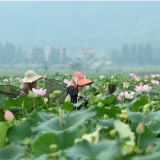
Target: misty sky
78, 25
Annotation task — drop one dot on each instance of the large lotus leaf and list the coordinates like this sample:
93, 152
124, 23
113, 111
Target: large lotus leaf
3, 130
124, 131
137, 117
12, 152
153, 156
17, 133
101, 151
63, 140
108, 99
107, 123
111, 111
139, 101
11, 102
155, 127
72, 120
3, 99
67, 106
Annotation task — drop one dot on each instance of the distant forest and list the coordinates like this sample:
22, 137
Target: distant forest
141, 55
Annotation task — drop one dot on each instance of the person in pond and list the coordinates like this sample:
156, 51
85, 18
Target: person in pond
29, 82
76, 85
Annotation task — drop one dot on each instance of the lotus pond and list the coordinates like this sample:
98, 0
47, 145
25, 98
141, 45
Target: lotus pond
124, 125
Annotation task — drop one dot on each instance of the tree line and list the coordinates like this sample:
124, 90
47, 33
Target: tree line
136, 55
11, 55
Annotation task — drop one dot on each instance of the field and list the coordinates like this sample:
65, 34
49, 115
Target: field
124, 125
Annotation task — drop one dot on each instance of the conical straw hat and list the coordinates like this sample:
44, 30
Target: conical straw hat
31, 76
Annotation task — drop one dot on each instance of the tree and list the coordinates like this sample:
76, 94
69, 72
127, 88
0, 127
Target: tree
38, 56
9, 53
19, 56
54, 56
126, 57
148, 51
1, 54
133, 54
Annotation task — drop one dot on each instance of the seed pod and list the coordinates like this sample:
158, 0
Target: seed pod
113, 133
140, 128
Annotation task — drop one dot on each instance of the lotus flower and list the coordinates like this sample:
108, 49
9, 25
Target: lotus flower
6, 80
145, 80
101, 76
137, 78
66, 74
45, 76
125, 84
155, 82
144, 88
132, 74
141, 83
128, 96
17, 78
153, 75
39, 92
8, 115
145, 77
66, 81
120, 96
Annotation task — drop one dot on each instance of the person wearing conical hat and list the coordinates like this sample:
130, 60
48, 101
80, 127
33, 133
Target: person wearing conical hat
76, 85
29, 82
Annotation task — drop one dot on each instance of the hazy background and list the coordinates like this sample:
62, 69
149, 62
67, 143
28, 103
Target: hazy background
94, 37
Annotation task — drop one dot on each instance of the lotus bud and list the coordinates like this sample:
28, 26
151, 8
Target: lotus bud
155, 96
8, 116
106, 116
153, 102
68, 98
57, 93
100, 104
45, 100
140, 128
23, 119
53, 146
99, 96
32, 95
52, 95
146, 108
27, 141
123, 111
79, 94
62, 121
113, 133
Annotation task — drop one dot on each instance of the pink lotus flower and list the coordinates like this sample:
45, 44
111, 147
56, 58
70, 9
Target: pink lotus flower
66, 74
144, 88
145, 77
145, 80
155, 82
120, 97
17, 78
101, 76
8, 116
137, 78
132, 74
153, 75
141, 83
125, 84
39, 92
66, 81
128, 96
45, 76
6, 80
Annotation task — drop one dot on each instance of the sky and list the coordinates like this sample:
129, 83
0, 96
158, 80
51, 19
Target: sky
79, 25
